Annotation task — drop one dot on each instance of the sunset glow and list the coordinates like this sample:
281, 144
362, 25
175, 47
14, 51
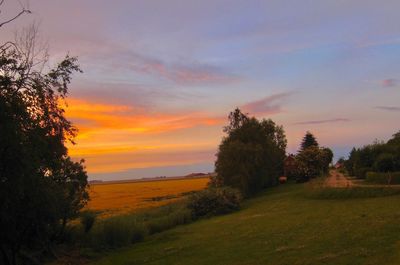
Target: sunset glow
160, 77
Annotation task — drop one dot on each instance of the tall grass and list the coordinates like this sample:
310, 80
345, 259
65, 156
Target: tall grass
123, 230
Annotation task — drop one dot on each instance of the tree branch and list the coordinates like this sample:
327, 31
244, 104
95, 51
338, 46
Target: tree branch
14, 18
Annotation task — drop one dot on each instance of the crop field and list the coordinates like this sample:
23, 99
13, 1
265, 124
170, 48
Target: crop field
283, 225
119, 198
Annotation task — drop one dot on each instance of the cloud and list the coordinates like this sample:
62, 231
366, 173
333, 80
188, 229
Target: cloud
179, 71
389, 82
388, 108
91, 116
185, 74
268, 105
117, 162
146, 96
322, 121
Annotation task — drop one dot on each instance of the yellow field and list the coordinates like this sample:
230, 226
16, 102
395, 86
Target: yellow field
119, 198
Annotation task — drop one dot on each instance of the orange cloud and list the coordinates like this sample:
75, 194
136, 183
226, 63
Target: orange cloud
93, 116
116, 137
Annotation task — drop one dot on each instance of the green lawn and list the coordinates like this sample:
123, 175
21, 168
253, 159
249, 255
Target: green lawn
281, 226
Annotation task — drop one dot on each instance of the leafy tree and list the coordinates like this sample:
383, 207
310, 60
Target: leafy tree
310, 162
41, 188
308, 141
251, 156
326, 158
384, 163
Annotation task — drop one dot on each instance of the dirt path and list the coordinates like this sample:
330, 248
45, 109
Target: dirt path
337, 180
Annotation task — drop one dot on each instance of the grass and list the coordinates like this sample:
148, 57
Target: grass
352, 193
123, 230
284, 225
122, 198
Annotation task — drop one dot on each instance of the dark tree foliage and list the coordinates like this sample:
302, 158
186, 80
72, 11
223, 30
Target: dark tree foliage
41, 188
326, 158
308, 141
251, 156
378, 157
313, 162
341, 160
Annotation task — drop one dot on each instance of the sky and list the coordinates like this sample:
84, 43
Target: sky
160, 77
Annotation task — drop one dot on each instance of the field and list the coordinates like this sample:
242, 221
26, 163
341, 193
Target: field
120, 198
289, 224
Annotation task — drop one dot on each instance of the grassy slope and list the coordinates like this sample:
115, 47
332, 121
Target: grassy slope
281, 226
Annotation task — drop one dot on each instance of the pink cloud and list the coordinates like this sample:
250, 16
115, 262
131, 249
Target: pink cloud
183, 74
322, 121
388, 108
389, 82
268, 105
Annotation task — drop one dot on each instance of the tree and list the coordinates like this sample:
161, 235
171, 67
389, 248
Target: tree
251, 156
326, 158
310, 162
41, 188
384, 163
378, 156
24, 10
308, 141
341, 160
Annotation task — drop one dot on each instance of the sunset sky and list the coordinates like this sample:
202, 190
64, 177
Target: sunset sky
160, 77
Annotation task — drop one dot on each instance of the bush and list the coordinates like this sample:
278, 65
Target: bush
87, 220
361, 173
383, 178
214, 201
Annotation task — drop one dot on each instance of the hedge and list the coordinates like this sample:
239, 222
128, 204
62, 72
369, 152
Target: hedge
383, 178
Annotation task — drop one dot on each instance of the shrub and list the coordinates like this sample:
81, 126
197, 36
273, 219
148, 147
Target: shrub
361, 173
87, 220
214, 201
383, 178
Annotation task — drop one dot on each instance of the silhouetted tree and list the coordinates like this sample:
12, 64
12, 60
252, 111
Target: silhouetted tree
251, 156
308, 141
311, 160
41, 188
326, 158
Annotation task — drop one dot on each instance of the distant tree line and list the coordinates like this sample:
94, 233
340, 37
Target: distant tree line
377, 157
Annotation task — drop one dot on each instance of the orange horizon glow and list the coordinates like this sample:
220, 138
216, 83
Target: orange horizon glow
114, 138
